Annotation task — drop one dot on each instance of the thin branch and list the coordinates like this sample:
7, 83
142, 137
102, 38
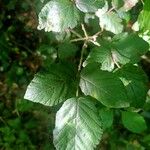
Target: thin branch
85, 33
95, 43
98, 33
111, 9
142, 2
75, 33
82, 53
80, 64
115, 62
79, 39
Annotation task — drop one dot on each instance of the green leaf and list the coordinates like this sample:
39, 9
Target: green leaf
89, 5
104, 86
58, 16
102, 55
136, 84
124, 49
52, 86
117, 3
109, 20
125, 15
106, 116
133, 122
77, 125
66, 50
144, 16
129, 48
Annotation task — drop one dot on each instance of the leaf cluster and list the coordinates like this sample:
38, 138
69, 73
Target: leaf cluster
96, 79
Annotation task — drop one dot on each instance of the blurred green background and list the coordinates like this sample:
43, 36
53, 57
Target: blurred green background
23, 125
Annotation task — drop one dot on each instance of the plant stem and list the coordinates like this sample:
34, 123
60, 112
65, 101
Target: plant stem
115, 62
75, 33
79, 39
142, 2
80, 64
111, 9
85, 33
82, 53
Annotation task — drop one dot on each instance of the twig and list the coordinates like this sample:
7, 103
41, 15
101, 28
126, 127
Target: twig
80, 64
98, 33
82, 53
87, 38
111, 9
75, 33
142, 2
85, 33
115, 62
79, 39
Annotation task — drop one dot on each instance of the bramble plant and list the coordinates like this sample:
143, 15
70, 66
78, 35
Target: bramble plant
107, 76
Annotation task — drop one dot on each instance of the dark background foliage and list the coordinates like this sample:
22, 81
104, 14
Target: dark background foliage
23, 125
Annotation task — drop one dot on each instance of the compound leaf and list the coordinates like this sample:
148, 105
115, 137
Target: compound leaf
77, 125
52, 86
104, 86
133, 121
58, 15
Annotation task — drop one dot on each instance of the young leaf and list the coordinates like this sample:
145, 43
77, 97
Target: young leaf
136, 83
58, 16
77, 125
89, 5
133, 121
104, 86
52, 86
109, 20
106, 116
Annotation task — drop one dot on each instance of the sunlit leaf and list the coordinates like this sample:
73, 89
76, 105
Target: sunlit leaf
123, 49
104, 86
89, 5
77, 125
109, 20
52, 86
58, 16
